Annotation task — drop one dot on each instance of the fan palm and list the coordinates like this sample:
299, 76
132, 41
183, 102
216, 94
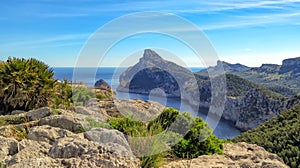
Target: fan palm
25, 84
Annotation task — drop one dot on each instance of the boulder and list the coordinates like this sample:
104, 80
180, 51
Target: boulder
17, 112
111, 139
47, 133
96, 113
62, 121
138, 109
38, 113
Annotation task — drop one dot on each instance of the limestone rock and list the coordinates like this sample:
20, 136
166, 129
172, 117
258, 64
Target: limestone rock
235, 156
17, 112
38, 113
138, 109
47, 134
111, 139
62, 121
48, 146
8, 146
96, 113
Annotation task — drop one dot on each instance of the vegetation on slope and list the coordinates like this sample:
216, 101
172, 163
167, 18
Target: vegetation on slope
280, 135
236, 87
283, 79
198, 139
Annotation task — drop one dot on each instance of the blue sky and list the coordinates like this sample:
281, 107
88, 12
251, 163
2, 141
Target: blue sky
250, 32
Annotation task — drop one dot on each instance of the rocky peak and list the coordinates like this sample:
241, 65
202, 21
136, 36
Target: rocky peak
291, 61
151, 55
290, 65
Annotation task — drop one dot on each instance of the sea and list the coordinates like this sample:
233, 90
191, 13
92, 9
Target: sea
222, 129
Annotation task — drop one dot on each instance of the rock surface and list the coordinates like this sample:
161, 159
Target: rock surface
48, 146
139, 110
113, 140
235, 156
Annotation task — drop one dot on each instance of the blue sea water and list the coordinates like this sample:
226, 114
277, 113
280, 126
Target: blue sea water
223, 130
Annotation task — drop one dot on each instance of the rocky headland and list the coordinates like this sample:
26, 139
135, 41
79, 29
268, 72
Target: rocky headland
247, 104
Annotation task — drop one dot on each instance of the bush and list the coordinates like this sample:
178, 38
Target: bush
199, 139
81, 95
62, 95
25, 84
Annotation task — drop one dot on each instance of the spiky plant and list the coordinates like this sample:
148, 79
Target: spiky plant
25, 84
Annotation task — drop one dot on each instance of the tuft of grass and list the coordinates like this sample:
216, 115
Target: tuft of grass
12, 119
18, 133
94, 124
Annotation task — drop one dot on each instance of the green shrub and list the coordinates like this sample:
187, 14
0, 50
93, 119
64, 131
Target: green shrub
12, 119
129, 126
199, 140
94, 124
62, 95
165, 119
81, 95
168, 126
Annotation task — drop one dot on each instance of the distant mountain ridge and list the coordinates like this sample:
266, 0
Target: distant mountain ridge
283, 79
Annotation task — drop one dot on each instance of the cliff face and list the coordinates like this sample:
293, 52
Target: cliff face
254, 108
247, 104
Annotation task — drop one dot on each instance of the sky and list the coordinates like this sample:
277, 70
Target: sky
250, 32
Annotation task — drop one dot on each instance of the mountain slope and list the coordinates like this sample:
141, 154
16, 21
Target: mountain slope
280, 135
283, 79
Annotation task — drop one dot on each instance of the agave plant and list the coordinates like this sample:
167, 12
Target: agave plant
25, 84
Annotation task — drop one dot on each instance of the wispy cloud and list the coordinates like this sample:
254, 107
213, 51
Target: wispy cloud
63, 40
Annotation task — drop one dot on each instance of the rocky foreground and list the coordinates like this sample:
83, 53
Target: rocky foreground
235, 156
60, 138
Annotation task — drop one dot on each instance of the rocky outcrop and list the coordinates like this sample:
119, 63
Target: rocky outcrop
113, 140
139, 110
48, 146
235, 156
292, 66
102, 84
63, 121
